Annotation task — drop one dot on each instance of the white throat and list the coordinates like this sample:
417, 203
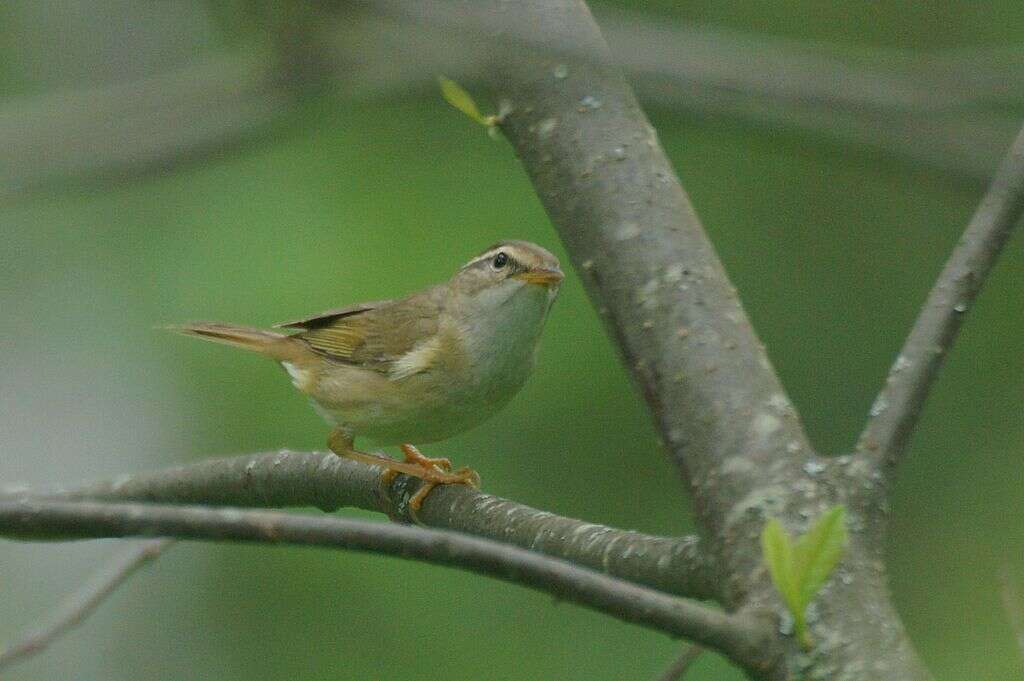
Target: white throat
502, 327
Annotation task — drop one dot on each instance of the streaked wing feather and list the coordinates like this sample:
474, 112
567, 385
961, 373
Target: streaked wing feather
341, 341
375, 337
325, 318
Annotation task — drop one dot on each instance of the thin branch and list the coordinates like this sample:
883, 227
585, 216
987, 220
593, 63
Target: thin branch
914, 109
682, 664
1013, 606
741, 637
841, 77
917, 108
323, 480
84, 601
896, 409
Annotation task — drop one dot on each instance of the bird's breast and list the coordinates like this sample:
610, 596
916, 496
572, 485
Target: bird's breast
499, 345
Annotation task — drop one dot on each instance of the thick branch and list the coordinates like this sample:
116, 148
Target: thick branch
898, 406
323, 480
629, 227
635, 239
741, 637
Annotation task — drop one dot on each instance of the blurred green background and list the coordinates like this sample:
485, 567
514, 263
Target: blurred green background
342, 199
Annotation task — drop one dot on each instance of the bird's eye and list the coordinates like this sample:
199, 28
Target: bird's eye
500, 261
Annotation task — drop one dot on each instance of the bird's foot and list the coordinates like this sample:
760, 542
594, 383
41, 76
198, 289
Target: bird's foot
413, 455
433, 477
431, 471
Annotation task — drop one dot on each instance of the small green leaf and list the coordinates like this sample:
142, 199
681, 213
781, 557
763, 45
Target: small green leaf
778, 555
799, 569
817, 552
463, 101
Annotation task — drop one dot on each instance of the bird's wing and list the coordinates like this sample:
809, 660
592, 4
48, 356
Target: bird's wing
324, 318
378, 335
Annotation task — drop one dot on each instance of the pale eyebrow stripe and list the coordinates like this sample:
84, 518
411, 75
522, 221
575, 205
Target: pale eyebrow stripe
486, 256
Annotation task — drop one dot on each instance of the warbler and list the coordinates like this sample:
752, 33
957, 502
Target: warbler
417, 369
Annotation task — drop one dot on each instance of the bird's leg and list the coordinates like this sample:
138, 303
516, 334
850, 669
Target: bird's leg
432, 472
341, 444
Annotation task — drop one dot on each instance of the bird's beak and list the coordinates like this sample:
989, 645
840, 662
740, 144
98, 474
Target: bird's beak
543, 277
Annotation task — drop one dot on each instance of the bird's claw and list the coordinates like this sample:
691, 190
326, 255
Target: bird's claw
432, 478
431, 471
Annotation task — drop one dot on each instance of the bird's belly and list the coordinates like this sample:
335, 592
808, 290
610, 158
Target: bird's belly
417, 410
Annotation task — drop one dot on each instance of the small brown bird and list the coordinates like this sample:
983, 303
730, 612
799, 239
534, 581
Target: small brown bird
417, 369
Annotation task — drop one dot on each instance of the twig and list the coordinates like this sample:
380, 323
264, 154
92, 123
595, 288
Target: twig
84, 601
282, 479
917, 109
896, 409
1012, 606
682, 664
741, 637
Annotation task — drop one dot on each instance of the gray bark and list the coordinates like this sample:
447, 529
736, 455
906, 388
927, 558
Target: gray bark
740, 634
325, 481
898, 406
723, 416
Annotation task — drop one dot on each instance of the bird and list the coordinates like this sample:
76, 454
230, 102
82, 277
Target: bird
419, 369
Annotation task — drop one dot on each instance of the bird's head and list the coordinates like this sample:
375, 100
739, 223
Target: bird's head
509, 269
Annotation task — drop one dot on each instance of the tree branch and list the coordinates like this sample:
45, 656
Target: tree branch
1012, 606
896, 409
607, 186
682, 664
739, 636
328, 482
84, 601
915, 109
653, 274
126, 129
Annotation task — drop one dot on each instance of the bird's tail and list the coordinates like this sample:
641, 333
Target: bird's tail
277, 346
